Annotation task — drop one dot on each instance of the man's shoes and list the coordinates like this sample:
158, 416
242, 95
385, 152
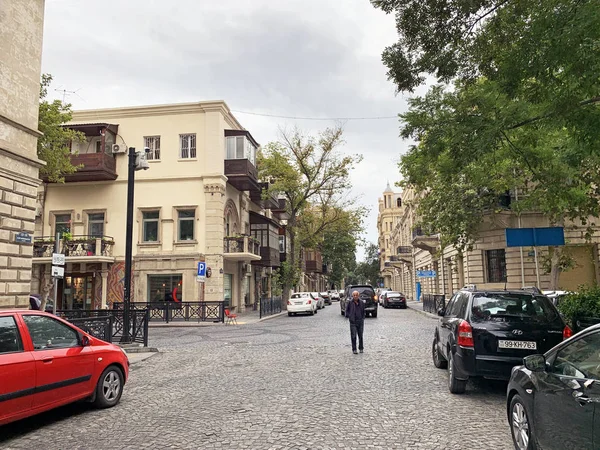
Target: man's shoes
355, 352
361, 351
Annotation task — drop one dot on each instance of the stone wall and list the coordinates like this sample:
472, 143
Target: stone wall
21, 30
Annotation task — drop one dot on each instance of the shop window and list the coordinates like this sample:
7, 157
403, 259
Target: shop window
165, 288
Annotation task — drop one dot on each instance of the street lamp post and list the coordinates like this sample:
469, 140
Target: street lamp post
135, 162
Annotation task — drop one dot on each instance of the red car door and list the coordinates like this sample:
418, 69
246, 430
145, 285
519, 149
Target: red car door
17, 370
65, 368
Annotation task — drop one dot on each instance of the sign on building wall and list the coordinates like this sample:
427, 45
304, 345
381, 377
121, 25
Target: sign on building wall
426, 274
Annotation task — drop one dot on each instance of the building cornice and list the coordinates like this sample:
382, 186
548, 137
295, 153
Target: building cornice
99, 115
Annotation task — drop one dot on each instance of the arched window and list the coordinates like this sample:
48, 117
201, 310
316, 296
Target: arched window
399, 202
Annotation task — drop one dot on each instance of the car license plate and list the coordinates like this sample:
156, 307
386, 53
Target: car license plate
298, 303
527, 345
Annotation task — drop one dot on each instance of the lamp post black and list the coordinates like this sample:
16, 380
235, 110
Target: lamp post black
132, 165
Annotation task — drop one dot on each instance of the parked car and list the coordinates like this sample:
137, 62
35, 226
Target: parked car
334, 296
320, 300
394, 299
553, 400
301, 302
366, 294
556, 296
326, 298
35, 303
486, 334
46, 362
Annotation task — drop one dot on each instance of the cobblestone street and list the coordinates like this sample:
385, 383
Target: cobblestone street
288, 382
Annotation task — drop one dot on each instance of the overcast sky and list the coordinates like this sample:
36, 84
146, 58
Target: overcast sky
301, 58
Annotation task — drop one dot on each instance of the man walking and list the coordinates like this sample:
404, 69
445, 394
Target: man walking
355, 312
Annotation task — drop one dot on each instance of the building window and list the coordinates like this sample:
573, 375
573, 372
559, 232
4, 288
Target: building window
240, 147
165, 288
281, 244
187, 146
399, 202
62, 223
153, 143
496, 265
96, 224
150, 226
186, 224
99, 146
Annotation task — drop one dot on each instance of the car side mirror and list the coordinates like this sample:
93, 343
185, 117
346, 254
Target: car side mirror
441, 312
535, 363
85, 341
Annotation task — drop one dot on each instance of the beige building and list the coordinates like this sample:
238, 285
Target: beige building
21, 30
490, 264
390, 208
200, 200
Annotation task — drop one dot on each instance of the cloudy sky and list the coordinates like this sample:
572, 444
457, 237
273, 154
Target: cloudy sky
299, 58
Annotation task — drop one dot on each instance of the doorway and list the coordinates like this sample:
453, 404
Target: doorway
78, 292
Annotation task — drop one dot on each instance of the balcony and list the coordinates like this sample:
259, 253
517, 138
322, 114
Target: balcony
75, 249
425, 242
404, 254
281, 209
262, 197
242, 175
314, 266
269, 257
95, 167
241, 248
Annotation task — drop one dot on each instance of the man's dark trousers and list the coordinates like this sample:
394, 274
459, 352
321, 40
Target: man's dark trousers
357, 328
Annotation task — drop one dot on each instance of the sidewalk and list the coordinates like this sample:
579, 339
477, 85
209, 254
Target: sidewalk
245, 318
418, 306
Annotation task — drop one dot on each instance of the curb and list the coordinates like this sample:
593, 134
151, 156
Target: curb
141, 350
272, 316
420, 311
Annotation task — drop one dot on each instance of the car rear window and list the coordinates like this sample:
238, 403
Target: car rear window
394, 294
362, 291
300, 295
508, 307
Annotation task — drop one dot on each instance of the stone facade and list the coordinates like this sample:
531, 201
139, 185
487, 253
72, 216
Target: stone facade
490, 264
21, 29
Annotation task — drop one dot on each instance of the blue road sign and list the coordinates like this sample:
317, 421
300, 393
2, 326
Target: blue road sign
201, 269
535, 237
23, 238
426, 274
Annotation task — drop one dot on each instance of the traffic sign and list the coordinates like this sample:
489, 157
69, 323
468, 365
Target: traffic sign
426, 274
535, 237
202, 269
200, 279
58, 259
58, 272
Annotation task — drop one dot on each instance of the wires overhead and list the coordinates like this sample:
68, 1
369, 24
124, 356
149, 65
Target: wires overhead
314, 118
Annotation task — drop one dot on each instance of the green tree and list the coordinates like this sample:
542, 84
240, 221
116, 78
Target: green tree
520, 114
54, 146
367, 271
312, 174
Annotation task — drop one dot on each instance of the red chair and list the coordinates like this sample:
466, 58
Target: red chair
231, 317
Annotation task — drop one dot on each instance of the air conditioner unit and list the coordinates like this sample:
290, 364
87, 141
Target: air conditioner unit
119, 148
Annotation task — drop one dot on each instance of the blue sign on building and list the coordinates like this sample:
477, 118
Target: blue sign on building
201, 269
535, 237
23, 238
426, 274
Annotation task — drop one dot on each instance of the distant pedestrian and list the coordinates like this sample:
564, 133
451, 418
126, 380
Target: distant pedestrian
355, 313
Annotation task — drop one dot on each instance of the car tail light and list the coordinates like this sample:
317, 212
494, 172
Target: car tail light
567, 332
309, 302
374, 297
289, 302
465, 334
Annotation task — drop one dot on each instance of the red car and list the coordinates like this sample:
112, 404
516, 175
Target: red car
46, 362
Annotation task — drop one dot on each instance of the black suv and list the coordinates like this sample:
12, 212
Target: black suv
366, 294
487, 333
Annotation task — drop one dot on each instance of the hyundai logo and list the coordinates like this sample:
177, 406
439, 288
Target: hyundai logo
517, 332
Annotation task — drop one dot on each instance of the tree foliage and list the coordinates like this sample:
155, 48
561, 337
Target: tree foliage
520, 114
366, 271
313, 175
54, 146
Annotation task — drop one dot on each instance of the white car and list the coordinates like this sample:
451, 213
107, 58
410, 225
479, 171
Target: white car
320, 300
334, 296
301, 302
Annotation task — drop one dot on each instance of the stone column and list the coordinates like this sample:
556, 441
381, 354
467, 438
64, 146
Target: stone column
214, 191
104, 274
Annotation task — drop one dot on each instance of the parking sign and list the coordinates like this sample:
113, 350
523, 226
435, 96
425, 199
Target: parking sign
201, 269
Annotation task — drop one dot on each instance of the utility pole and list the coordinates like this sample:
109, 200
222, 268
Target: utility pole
135, 162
